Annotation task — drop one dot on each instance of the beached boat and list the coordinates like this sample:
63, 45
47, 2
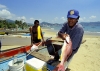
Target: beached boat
7, 56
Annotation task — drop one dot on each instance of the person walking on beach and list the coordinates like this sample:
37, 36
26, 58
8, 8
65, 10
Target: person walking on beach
74, 32
36, 33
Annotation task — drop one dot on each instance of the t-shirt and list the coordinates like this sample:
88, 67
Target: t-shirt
76, 34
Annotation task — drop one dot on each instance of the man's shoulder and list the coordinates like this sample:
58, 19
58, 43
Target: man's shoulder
80, 27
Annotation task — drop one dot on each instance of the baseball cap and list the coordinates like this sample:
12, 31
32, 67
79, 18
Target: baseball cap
73, 14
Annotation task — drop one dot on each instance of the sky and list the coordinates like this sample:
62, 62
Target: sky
52, 11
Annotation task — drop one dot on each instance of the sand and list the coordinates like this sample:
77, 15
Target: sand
86, 59
88, 56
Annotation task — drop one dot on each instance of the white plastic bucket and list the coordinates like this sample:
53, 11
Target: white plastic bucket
16, 66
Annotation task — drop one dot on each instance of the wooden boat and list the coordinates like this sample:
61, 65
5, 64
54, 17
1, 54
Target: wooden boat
7, 54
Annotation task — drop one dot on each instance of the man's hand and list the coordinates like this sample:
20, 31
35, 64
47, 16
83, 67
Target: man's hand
61, 67
43, 43
64, 36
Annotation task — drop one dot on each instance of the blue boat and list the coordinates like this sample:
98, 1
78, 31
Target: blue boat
7, 56
23, 53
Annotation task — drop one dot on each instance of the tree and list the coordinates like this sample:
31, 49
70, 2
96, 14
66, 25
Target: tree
24, 25
5, 24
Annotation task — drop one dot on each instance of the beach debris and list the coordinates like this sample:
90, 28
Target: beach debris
83, 41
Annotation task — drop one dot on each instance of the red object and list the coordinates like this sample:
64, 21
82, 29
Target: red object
15, 51
12, 52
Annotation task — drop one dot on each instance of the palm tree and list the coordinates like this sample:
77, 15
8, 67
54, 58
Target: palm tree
17, 24
24, 25
5, 23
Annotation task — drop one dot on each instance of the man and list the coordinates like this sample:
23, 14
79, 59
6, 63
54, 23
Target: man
74, 30
36, 33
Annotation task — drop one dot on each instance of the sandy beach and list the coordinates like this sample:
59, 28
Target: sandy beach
88, 56
86, 59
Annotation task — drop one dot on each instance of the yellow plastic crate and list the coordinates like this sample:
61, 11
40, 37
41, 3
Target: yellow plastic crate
35, 64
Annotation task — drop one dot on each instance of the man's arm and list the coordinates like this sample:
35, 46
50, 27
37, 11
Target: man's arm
62, 31
30, 29
61, 35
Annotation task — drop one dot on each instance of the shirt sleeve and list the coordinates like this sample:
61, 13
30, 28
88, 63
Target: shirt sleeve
63, 29
76, 41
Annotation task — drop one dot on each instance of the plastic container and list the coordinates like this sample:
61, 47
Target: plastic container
16, 66
35, 64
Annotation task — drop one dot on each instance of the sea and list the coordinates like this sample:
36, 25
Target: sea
90, 29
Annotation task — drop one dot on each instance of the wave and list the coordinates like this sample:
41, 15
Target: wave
91, 32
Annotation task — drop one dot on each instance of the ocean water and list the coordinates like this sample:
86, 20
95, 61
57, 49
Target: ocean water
91, 29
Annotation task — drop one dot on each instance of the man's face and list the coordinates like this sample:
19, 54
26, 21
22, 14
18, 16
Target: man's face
72, 22
37, 24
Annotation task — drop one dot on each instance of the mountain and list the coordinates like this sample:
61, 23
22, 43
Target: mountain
90, 23
46, 24
12, 21
8, 20
53, 24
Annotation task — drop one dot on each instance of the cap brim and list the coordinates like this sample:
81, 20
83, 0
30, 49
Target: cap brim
72, 16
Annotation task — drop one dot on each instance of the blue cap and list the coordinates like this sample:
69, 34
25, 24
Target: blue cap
73, 14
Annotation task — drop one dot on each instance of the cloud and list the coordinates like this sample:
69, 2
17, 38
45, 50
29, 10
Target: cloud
89, 19
56, 18
92, 17
52, 21
6, 14
23, 18
3, 6
62, 18
82, 19
31, 18
34, 19
40, 19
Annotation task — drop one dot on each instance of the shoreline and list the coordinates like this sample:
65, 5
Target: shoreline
49, 30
